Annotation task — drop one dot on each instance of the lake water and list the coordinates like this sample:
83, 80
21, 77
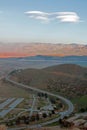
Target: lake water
8, 65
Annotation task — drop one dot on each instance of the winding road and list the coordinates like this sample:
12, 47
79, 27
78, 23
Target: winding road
62, 114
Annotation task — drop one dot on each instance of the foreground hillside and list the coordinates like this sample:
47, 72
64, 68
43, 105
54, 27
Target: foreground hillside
8, 90
68, 80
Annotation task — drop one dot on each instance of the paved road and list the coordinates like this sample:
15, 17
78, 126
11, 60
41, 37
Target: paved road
5, 103
11, 107
62, 114
33, 104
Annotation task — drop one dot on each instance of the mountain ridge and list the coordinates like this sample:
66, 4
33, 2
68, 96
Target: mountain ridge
47, 49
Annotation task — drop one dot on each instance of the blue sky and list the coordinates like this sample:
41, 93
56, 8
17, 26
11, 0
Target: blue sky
55, 21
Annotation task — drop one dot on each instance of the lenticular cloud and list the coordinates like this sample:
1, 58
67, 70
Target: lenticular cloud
68, 17
60, 16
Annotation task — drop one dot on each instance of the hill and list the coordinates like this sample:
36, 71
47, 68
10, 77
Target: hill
71, 69
68, 79
8, 90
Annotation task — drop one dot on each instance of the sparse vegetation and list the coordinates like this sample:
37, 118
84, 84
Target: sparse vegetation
68, 80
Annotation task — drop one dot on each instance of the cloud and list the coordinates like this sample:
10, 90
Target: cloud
68, 17
38, 15
71, 17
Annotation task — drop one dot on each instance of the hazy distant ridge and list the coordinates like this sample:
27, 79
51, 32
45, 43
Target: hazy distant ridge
32, 49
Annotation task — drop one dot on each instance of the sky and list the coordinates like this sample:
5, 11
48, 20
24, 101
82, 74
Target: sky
46, 21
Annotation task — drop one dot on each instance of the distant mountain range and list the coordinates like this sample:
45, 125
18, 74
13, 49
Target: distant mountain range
45, 49
42, 57
48, 58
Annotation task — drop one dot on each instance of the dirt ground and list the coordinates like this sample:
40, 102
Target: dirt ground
54, 128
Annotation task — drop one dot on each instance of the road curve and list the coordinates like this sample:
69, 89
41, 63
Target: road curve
62, 114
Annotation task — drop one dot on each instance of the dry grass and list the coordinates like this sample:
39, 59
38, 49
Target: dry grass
7, 90
3, 127
71, 69
68, 80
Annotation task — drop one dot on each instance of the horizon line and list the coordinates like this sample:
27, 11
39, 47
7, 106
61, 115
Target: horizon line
8, 57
